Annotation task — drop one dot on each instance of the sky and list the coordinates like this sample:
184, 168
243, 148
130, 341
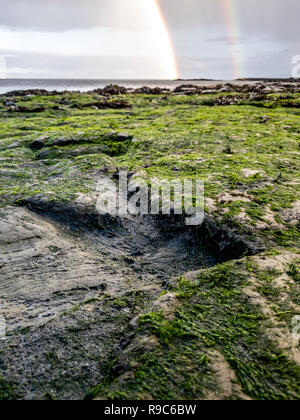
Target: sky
148, 39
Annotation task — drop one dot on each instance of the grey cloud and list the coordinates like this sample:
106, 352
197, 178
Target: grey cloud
276, 18
269, 34
54, 15
272, 18
269, 18
63, 15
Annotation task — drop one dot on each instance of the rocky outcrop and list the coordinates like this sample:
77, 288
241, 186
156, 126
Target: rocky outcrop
103, 105
147, 307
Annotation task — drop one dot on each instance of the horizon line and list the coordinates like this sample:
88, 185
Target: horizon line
149, 79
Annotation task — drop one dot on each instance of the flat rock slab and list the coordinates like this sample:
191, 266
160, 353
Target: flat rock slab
44, 270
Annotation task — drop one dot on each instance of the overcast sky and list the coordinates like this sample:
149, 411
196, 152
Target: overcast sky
118, 38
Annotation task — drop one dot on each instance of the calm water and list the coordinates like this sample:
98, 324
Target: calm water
8, 85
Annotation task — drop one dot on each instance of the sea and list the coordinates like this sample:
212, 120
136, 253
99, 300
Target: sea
7, 85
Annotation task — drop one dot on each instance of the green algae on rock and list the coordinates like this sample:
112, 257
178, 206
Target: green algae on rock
194, 314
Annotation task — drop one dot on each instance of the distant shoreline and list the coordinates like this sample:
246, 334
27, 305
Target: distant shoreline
249, 79
85, 85
242, 79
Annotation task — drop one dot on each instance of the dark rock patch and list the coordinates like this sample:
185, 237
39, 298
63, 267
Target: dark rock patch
152, 91
23, 109
37, 144
103, 105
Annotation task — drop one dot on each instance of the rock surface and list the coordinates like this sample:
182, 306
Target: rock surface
148, 308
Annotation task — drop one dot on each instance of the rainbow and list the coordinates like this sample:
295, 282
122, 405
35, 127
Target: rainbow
231, 19
168, 56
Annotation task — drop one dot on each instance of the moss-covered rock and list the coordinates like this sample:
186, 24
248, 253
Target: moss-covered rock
180, 313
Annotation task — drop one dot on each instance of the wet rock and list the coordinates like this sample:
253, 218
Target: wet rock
28, 92
23, 109
45, 154
103, 105
292, 215
264, 119
228, 150
187, 89
114, 90
37, 243
66, 141
120, 137
96, 92
109, 90
14, 145
291, 104
57, 153
37, 144
9, 103
65, 101
52, 282
151, 91
225, 100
